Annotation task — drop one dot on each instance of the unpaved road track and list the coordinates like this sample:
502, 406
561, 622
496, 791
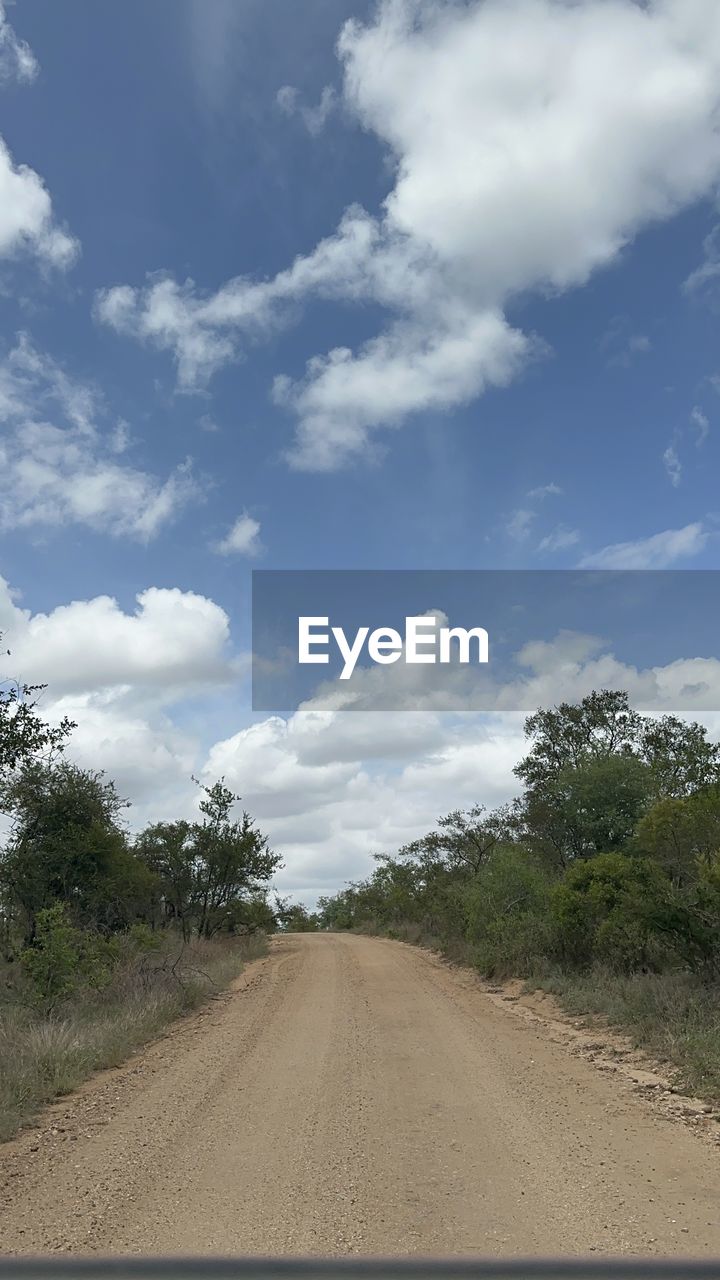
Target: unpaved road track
354, 1095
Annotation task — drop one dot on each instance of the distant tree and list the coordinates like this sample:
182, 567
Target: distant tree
168, 850
209, 869
296, 918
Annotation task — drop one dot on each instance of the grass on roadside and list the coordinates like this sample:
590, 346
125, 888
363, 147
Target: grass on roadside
45, 1055
673, 1016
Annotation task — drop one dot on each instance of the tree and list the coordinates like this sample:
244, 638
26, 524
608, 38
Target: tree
66, 845
609, 908
680, 757
167, 849
680, 832
23, 734
209, 869
593, 808
565, 737
297, 919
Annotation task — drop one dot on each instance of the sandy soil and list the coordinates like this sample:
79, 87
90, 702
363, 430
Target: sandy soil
354, 1095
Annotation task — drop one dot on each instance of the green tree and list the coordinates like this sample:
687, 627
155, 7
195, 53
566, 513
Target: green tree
66, 845
24, 735
567, 736
208, 869
610, 909
592, 808
168, 851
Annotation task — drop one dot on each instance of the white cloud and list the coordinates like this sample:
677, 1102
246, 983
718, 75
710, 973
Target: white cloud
551, 490
54, 474
559, 539
27, 224
17, 60
702, 422
621, 102
128, 680
26, 217
242, 539
174, 639
656, 552
704, 277
407, 369
672, 464
518, 526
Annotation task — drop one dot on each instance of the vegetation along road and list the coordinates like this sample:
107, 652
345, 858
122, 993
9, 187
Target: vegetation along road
356, 1095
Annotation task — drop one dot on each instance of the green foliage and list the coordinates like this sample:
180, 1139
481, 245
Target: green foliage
66, 845
607, 909
63, 958
589, 808
210, 873
24, 736
677, 832
611, 857
297, 919
508, 922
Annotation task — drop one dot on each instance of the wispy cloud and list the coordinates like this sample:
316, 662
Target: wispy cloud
672, 464
702, 422
705, 277
57, 467
560, 539
656, 552
289, 100
17, 60
551, 490
518, 526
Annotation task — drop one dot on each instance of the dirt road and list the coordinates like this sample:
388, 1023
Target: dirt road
354, 1095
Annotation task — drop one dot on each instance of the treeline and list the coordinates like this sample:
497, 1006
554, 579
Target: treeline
609, 860
75, 885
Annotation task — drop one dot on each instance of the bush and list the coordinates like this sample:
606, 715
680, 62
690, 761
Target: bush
607, 909
63, 958
508, 923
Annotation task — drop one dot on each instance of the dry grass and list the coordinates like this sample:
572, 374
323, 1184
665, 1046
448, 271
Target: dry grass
674, 1016
42, 1057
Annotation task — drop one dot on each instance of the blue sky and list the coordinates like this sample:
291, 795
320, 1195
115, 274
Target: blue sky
516, 258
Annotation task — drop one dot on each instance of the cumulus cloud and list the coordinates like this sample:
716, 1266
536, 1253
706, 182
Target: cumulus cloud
17, 60
621, 102
656, 552
57, 467
26, 218
242, 539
